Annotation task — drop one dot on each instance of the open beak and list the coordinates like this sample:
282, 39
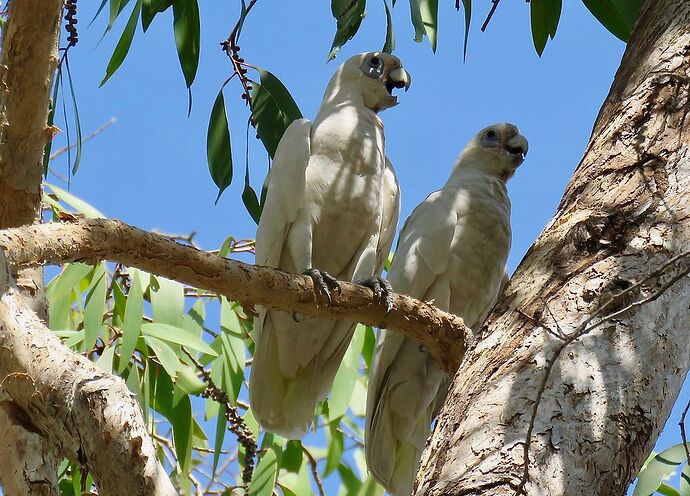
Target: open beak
398, 78
517, 147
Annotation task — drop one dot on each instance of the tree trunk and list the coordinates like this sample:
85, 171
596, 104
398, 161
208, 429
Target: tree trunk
27, 65
614, 369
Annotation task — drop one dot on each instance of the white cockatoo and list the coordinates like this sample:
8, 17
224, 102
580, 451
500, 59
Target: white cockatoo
452, 252
331, 212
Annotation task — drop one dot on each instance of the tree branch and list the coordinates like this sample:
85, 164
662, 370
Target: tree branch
91, 240
87, 415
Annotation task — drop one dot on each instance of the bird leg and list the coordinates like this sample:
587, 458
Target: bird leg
324, 283
382, 289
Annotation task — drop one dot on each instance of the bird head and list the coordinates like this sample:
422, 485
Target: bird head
498, 149
372, 76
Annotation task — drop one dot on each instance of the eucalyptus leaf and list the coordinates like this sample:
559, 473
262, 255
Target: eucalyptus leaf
124, 44
218, 145
658, 469
187, 29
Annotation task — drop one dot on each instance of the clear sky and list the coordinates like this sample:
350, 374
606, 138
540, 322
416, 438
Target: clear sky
149, 169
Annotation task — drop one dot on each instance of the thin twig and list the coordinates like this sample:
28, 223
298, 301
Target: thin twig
587, 327
494, 6
98, 131
314, 471
683, 436
236, 424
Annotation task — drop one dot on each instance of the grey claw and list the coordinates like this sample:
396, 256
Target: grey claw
382, 289
324, 283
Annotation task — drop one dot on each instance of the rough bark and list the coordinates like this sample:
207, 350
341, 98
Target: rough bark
27, 65
27, 460
87, 415
91, 240
625, 212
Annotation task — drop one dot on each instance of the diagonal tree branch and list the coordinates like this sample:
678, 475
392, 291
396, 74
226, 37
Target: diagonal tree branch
87, 415
91, 240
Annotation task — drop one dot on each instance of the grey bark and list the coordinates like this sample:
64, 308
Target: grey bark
87, 415
625, 212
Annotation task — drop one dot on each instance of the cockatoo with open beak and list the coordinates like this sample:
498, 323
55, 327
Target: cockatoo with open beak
331, 212
452, 252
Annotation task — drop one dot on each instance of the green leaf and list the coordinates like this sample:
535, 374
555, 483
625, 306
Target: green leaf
417, 22
344, 381
51, 120
544, 15
150, 9
131, 327
336, 445
77, 204
167, 302
233, 349
467, 7
94, 308
658, 469
77, 121
105, 361
389, 44
175, 335
166, 356
273, 109
297, 484
292, 457
218, 147
368, 345
181, 420
123, 45
618, 16
348, 15
251, 202
429, 12
193, 321
265, 473
187, 28
349, 479
221, 424
358, 401
667, 490
684, 485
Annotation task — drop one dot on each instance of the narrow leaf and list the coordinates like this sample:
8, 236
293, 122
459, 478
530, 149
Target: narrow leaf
167, 302
76, 203
273, 109
77, 121
389, 44
658, 469
131, 328
187, 28
251, 202
172, 334
348, 15
123, 45
428, 10
417, 22
94, 308
467, 7
218, 148
51, 120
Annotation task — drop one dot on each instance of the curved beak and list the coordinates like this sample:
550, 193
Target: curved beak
399, 78
517, 146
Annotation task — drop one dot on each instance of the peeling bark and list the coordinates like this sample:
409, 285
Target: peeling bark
625, 212
87, 415
91, 240
27, 64
27, 461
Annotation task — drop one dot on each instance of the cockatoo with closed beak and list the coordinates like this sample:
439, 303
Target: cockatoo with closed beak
331, 212
452, 252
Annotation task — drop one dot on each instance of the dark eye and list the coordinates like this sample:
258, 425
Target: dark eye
375, 61
491, 134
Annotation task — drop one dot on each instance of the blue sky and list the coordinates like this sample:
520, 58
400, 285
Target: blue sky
149, 169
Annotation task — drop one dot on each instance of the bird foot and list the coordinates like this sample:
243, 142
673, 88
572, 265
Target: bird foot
382, 289
324, 283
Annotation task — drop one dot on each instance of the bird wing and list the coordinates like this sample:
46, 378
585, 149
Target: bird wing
285, 194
